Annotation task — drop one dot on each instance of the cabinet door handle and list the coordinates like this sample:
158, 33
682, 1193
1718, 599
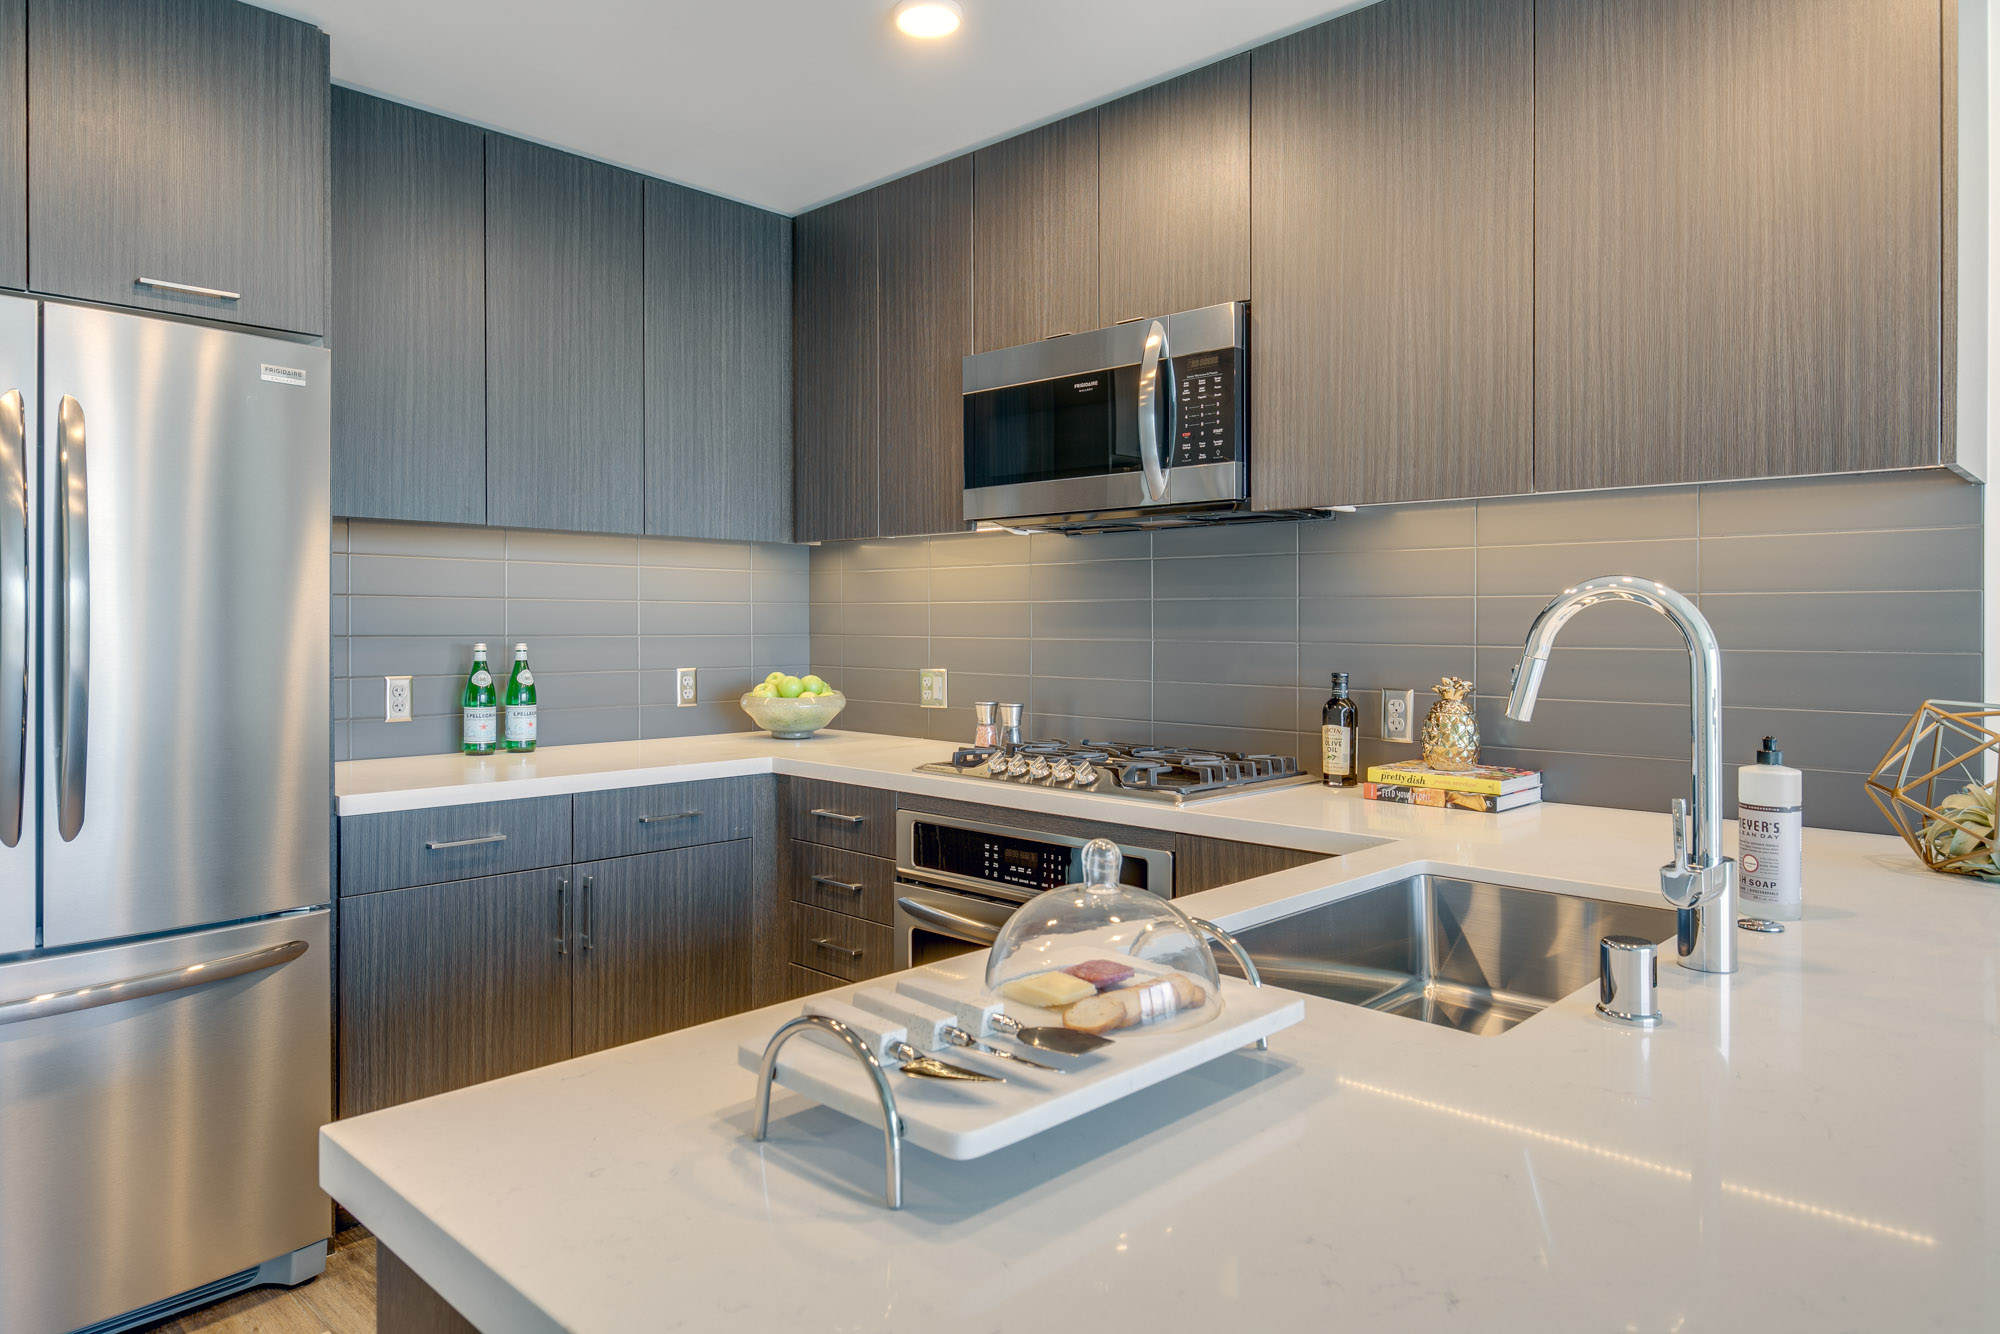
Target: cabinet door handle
562, 917
585, 916
836, 947
837, 884
189, 289
662, 819
440, 845
841, 816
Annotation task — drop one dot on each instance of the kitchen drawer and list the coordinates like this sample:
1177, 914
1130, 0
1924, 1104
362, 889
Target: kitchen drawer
629, 820
860, 819
844, 946
404, 848
845, 882
801, 982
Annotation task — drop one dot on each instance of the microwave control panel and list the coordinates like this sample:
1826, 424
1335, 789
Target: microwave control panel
1208, 428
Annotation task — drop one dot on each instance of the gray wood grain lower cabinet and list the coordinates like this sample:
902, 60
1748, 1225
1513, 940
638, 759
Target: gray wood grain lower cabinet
1392, 245
395, 849
925, 222
718, 368
1174, 194
409, 313
625, 821
1035, 235
1738, 228
663, 941
565, 336
837, 354
13, 143
183, 141
447, 985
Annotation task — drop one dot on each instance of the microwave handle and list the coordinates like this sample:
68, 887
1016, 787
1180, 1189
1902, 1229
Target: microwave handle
1156, 377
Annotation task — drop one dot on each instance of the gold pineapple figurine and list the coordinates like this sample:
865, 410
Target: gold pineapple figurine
1451, 731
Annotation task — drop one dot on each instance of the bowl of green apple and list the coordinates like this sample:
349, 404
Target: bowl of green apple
792, 708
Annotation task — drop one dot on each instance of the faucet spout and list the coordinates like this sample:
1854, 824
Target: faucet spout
1700, 881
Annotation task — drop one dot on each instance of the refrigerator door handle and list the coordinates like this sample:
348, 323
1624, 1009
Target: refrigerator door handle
73, 540
148, 984
14, 613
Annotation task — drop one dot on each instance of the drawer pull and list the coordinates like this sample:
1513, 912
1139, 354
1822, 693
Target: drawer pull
837, 884
439, 846
836, 947
662, 819
189, 289
841, 816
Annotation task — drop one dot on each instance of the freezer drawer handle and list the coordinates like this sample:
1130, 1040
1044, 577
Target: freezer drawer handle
441, 845
189, 289
150, 984
835, 947
73, 539
662, 819
14, 605
842, 816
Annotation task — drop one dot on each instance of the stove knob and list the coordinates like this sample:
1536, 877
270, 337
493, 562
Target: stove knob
1040, 768
997, 765
1017, 766
1086, 774
1063, 771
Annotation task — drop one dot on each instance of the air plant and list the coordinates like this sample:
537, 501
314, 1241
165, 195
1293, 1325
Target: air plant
1960, 836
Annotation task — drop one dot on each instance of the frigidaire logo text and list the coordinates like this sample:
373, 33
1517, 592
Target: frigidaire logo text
1081, 385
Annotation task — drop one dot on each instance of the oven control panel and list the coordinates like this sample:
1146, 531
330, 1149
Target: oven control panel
1013, 860
1207, 427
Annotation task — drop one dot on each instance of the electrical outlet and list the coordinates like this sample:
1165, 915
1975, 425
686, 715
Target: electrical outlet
398, 695
930, 688
684, 687
1399, 715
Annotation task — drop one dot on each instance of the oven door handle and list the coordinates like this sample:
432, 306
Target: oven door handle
1156, 385
965, 927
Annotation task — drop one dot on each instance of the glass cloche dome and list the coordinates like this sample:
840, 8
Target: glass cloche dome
1105, 958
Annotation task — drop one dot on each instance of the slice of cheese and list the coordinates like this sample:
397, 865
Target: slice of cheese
1048, 990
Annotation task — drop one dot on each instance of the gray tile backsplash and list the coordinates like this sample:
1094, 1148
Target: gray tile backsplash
1841, 603
606, 621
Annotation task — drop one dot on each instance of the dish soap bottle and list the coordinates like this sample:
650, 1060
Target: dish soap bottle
477, 707
1768, 815
520, 703
1338, 761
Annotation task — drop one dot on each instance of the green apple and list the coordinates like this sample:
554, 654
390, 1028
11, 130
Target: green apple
774, 678
813, 685
790, 687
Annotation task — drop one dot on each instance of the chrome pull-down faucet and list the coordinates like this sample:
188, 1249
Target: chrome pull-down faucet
1700, 882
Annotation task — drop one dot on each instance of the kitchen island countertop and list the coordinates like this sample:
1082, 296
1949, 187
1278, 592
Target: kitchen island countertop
1812, 1143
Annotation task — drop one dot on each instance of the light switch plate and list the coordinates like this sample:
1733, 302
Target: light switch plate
684, 687
1399, 715
930, 688
397, 709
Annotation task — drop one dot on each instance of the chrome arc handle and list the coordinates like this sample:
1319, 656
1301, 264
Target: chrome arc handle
189, 289
51, 1003
439, 845
1156, 401
964, 927
73, 561
892, 1120
15, 609
1243, 961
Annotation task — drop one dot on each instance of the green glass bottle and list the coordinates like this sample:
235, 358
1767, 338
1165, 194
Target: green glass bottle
477, 705
520, 701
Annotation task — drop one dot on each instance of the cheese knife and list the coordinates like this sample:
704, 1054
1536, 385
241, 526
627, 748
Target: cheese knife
980, 1017
891, 1044
931, 1028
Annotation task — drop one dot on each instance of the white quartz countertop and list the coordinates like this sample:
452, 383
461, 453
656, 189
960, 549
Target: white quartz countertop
1810, 1144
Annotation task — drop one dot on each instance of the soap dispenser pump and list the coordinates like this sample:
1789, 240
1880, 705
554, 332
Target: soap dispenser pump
1769, 812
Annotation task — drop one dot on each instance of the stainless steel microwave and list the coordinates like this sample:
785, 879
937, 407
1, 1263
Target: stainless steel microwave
1144, 418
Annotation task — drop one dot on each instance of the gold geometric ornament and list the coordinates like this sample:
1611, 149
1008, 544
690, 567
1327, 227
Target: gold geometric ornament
1932, 785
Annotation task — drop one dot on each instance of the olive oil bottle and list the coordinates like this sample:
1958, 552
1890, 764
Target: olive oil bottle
479, 707
1339, 763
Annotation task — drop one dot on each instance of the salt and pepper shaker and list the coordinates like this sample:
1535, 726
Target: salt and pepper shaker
985, 731
1010, 726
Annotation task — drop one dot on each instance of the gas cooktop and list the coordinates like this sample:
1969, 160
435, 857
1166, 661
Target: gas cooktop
1173, 774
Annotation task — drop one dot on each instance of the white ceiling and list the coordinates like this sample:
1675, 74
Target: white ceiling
782, 103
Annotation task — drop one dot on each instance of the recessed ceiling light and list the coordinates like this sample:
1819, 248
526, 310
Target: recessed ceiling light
929, 18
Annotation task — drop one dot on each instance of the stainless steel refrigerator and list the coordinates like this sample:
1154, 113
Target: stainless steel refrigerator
164, 814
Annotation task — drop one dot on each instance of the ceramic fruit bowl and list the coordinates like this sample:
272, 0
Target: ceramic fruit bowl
793, 719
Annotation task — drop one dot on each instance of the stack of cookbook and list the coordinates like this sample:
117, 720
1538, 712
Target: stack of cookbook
1488, 787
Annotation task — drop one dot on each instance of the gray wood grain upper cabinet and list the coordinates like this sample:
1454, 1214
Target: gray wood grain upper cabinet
664, 940
451, 984
836, 352
925, 226
1737, 237
718, 368
1034, 235
1392, 251
1174, 195
13, 143
409, 313
181, 141
565, 336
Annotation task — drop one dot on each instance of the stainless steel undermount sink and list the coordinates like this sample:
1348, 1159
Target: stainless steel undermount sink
1472, 956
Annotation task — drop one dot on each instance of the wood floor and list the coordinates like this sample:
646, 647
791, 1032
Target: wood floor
340, 1301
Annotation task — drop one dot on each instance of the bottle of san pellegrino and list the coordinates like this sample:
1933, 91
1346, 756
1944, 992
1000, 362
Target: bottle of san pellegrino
479, 708
520, 702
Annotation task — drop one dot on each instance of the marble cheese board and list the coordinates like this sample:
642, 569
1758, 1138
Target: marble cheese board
962, 1120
